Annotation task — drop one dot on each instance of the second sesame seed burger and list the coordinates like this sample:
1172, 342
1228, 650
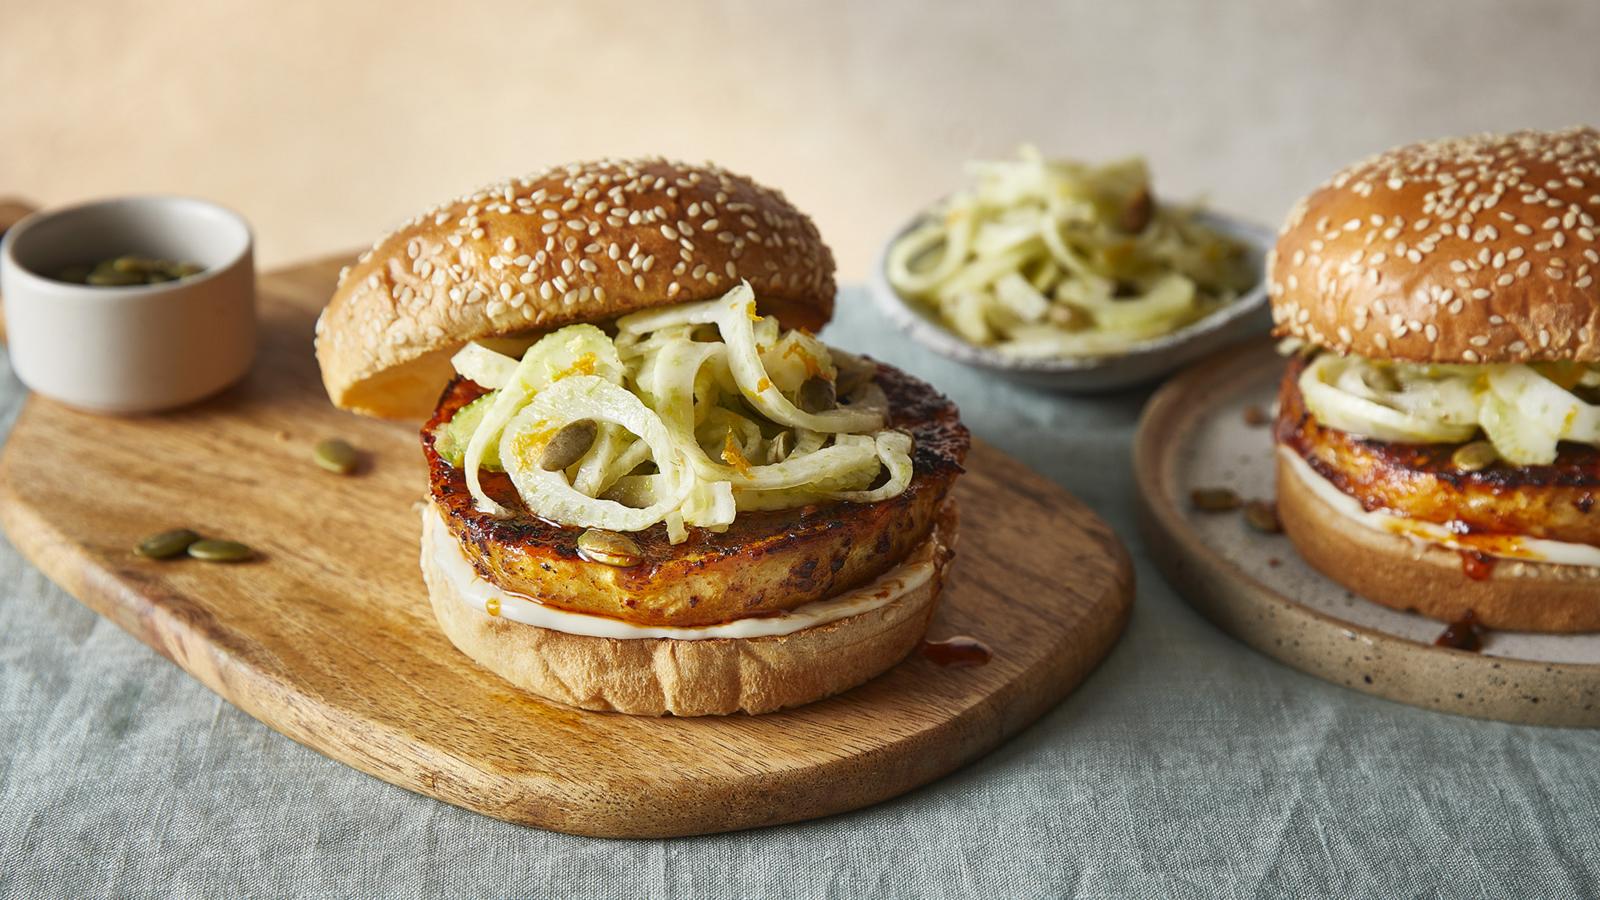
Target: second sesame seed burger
652, 489
1439, 428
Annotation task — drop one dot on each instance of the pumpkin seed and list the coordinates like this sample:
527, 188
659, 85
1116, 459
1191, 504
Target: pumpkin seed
1474, 456
608, 548
113, 278
568, 445
336, 455
779, 448
125, 271
816, 395
134, 265
1262, 515
167, 544
1137, 214
220, 551
1215, 499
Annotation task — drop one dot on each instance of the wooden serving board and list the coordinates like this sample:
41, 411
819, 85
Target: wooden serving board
329, 639
1194, 434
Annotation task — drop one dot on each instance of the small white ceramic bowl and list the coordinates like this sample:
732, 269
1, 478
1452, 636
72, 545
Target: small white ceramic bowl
1141, 363
130, 349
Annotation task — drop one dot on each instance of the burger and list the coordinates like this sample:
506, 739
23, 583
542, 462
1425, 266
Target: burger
651, 488
1438, 434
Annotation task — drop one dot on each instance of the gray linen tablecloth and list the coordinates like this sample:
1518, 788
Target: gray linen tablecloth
1187, 766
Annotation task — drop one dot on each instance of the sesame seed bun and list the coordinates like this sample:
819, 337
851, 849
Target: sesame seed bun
1409, 575
1470, 250
585, 242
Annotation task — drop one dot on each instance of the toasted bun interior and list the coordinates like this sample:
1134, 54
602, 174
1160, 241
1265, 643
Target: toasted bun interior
1407, 575
716, 676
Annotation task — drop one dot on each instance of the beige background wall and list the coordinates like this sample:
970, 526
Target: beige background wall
325, 123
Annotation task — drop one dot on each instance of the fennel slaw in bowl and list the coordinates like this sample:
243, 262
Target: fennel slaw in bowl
1071, 275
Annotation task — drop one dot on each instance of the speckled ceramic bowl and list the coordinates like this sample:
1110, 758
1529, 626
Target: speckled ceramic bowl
1093, 374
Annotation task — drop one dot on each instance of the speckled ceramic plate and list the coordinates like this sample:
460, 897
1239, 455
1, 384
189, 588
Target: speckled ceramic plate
1194, 434
1092, 374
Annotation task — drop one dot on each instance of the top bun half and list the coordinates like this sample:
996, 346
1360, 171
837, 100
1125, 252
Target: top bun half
1472, 250
585, 242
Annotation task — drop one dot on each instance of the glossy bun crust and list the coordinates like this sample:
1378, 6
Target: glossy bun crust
586, 242
1470, 250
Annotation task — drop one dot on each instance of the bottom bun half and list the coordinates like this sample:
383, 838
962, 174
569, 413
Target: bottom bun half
1414, 576
713, 676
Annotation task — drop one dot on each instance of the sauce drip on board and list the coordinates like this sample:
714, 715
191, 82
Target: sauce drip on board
957, 652
1463, 634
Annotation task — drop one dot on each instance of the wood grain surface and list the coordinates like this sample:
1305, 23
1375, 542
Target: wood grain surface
328, 638
1260, 592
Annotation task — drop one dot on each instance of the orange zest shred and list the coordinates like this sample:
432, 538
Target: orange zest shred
733, 456
813, 368
583, 365
528, 443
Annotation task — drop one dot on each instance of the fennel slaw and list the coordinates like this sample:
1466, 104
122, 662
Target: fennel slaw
703, 409
1523, 410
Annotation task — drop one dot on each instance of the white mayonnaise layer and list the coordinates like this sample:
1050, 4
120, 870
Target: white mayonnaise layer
1507, 546
475, 590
